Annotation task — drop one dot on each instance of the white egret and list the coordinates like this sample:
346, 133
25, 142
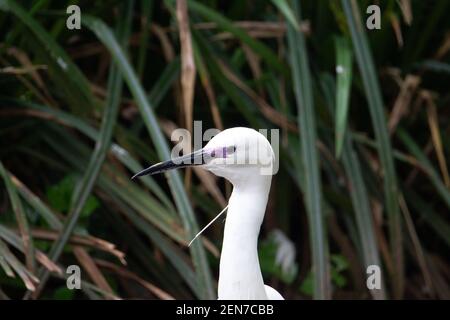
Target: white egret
244, 157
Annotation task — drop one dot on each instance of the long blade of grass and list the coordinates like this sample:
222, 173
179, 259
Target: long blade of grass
343, 83
375, 102
179, 193
310, 160
358, 190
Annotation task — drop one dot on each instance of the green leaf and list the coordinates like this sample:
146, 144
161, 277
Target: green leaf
339, 262
307, 286
338, 279
90, 206
338, 265
310, 160
267, 259
375, 103
343, 84
60, 194
63, 293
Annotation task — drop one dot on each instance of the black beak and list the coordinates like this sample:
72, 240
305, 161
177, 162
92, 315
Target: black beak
193, 159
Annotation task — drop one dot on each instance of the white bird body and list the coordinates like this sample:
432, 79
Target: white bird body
244, 157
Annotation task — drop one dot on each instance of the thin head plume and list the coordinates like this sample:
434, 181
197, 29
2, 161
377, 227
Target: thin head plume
206, 227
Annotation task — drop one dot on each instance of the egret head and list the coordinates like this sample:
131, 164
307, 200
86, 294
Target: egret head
237, 154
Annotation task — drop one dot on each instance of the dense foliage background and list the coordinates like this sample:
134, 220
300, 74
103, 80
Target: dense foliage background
364, 126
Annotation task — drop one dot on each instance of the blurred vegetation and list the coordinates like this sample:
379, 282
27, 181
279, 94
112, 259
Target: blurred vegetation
364, 129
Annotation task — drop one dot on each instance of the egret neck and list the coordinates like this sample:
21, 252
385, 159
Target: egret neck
240, 274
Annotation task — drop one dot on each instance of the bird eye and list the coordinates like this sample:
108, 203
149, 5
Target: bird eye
222, 152
231, 149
